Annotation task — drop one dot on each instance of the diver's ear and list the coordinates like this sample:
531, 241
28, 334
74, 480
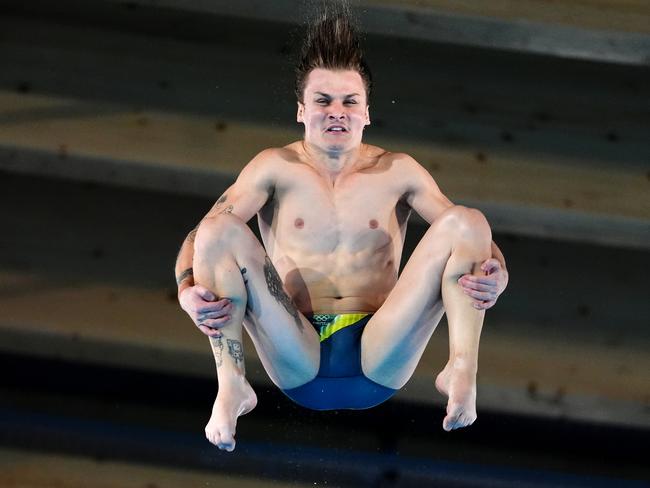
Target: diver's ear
300, 115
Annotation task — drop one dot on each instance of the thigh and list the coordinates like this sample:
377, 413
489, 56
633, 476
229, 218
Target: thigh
398, 333
396, 336
286, 342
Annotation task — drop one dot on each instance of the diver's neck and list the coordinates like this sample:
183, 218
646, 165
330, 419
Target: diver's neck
332, 161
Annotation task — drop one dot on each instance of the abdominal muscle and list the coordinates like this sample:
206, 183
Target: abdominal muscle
338, 282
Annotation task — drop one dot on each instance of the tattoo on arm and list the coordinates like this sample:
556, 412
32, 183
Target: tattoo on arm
217, 350
227, 210
189, 272
220, 202
274, 283
192, 235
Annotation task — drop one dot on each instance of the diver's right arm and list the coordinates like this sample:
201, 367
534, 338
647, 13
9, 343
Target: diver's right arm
253, 188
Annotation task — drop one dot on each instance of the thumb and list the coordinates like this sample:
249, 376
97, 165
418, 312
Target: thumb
490, 266
205, 293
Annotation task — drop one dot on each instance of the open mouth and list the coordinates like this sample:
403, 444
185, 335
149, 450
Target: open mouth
336, 129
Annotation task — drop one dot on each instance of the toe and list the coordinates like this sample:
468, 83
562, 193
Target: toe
212, 433
449, 423
227, 444
209, 436
452, 420
227, 440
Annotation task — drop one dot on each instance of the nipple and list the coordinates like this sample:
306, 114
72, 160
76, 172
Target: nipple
299, 223
373, 224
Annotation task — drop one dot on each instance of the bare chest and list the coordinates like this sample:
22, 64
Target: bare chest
358, 213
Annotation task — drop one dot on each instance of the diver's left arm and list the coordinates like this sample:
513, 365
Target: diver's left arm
428, 201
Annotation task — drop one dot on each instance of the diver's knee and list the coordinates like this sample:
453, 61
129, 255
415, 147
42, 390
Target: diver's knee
465, 223
219, 231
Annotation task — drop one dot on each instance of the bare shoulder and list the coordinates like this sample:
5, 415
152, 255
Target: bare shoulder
272, 156
266, 164
403, 165
377, 157
375, 151
403, 160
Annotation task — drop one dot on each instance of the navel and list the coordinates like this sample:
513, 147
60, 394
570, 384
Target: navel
299, 223
373, 224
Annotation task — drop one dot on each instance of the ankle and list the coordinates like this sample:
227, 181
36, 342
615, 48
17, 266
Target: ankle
231, 377
460, 362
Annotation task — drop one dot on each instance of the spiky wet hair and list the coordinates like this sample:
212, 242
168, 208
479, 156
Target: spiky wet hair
332, 42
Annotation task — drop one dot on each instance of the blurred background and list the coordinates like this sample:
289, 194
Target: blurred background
122, 121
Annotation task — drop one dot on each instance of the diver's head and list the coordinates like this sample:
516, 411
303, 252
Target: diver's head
332, 42
333, 81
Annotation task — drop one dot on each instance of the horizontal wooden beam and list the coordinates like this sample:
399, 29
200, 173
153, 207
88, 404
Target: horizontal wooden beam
604, 205
607, 15
605, 32
545, 148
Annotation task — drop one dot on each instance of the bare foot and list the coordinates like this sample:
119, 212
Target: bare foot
233, 400
458, 382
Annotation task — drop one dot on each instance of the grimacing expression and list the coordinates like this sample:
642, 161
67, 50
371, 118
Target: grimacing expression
335, 109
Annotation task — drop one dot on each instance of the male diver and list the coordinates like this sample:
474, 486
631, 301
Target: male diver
333, 324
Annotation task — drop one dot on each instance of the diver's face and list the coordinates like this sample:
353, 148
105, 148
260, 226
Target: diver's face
335, 109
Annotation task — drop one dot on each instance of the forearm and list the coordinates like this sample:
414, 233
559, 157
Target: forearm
183, 269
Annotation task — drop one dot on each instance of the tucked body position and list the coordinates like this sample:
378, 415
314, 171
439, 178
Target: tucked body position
333, 324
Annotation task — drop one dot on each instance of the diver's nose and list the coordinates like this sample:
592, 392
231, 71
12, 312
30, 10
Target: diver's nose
336, 115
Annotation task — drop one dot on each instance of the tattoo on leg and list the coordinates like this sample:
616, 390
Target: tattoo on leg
235, 350
274, 283
243, 274
184, 275
217, 349
249, 305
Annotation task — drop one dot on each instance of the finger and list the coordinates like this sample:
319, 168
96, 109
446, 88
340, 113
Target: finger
480, 295
210, 332
205, 293
214, 306
484, 305
471, 285
216, 323
490, 265
222, 302
484, 280
216, 314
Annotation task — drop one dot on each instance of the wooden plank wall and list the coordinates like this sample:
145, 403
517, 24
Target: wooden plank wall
120, 123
